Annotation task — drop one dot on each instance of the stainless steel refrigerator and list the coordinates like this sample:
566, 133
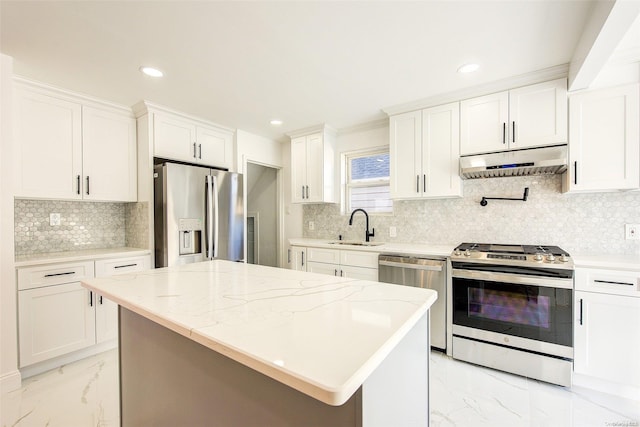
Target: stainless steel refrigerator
199, 214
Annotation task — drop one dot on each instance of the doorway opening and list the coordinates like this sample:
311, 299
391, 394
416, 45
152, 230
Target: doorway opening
262, 215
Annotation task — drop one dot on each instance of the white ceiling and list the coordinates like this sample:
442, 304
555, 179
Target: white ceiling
241, 64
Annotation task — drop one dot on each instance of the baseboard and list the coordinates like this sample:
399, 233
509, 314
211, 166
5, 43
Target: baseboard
10, 381
626, 391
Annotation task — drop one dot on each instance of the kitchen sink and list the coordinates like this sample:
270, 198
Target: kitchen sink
355, 243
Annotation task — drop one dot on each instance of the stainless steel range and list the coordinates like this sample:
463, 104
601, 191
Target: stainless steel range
513, 309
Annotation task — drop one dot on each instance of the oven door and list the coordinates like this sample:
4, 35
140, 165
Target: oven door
492, 306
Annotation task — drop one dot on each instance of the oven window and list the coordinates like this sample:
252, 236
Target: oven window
531, 310
535, 312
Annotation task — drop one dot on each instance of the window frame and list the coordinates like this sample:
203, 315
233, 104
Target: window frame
347, 185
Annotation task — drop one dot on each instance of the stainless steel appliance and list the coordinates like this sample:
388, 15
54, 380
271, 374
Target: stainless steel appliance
199, 214
430, 273
513, 309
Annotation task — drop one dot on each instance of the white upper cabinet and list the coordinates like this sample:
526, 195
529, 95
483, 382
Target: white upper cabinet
48, 146
68, 147
424, 151
108, 155
179, 138
604, 141
530, 116
312, 167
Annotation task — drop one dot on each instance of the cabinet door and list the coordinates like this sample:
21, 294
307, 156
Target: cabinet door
330, 256
215, 147
48, 146
483, 124
322, 268
298, 260
606, 331
604, 143
315, 168
106, 310
55, 320
174, 138
538, 115
441, 151
109, 156
405, 152
298, 169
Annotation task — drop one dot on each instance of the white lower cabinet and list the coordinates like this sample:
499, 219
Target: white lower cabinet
106, 310
606, 331
54, 320
343, 263
57, 316
297, 260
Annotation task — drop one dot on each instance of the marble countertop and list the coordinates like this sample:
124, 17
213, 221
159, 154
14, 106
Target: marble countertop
319, 334
80, 255
615, 262
387, 248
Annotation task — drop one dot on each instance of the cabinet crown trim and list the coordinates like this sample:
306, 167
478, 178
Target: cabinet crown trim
540, 76
67, 95
312, 129
145, 107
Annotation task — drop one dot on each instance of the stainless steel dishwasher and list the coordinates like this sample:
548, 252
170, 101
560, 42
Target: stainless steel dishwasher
430, 273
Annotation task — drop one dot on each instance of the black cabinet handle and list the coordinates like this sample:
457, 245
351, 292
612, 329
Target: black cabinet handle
288, 256
580, 311
335, 272
60, 274
124, 266
90, 298
513, 131
100, 299
575, 172
303, 259
307, 192
417, 183
608, 282
194, 150
87, 185
78, 183
504, 133
424, 183
200, 152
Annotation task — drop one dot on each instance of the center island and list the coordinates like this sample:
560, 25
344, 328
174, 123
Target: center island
220, 343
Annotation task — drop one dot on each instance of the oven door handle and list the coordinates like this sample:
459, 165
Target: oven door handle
491, 276
411, 266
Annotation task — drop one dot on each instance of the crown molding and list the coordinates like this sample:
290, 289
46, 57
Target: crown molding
552, 73
363, 127
143, 107
312, 129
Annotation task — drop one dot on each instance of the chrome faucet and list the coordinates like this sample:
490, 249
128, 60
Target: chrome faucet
366, 232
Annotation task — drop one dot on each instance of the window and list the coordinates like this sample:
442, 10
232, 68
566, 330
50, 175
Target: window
367, 181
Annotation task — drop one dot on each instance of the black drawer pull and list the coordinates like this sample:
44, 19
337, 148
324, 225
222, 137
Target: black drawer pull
613, 283
124, 266
60, 274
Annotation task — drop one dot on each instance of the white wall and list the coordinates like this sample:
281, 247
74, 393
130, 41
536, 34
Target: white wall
9, 374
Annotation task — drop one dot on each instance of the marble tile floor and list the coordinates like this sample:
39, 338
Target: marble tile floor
85, 393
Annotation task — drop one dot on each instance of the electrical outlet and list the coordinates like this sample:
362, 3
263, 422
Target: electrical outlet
312, 225
54, 219
632, 231
393, 232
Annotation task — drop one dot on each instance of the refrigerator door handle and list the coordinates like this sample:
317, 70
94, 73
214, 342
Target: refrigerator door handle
214, 239
208, 218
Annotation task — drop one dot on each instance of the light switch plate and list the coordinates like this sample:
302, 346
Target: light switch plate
54, 219
312, 225
393, 232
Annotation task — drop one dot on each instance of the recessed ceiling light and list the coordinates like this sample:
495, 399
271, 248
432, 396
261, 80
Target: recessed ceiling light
276, 122
150, 71
468, 68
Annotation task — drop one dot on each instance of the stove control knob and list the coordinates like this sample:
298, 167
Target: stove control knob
551, 258
564, 258
457, 252
467, 253
538, 257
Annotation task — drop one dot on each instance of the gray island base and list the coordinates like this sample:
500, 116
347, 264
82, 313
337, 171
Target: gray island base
167, 379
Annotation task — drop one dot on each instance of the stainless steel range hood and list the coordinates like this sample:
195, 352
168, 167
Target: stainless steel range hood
534, 161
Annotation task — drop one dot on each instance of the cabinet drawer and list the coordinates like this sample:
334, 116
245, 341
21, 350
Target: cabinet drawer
111, 267
330, 256
53, 274
359, 259
608, 281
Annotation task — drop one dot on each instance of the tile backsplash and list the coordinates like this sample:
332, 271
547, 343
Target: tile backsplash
84, 225
589, 223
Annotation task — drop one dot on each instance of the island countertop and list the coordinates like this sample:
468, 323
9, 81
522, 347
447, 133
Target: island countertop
319, 334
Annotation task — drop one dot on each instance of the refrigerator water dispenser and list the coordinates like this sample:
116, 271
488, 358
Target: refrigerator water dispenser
190, 236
